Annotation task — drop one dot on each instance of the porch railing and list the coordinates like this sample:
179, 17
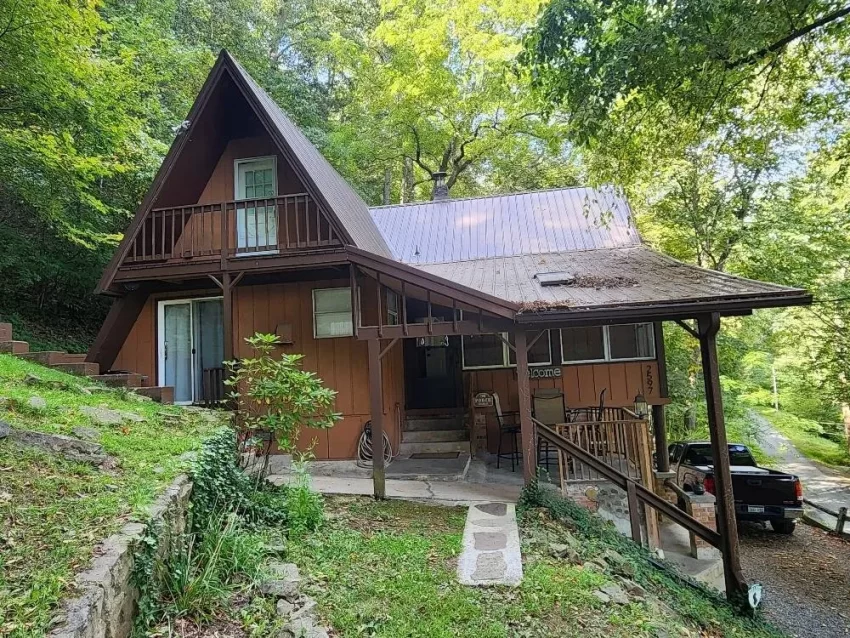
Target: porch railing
214, 391
244, 227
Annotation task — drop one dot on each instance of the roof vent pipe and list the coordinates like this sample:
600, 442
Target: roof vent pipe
441, 189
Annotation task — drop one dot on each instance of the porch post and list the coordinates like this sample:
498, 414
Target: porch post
736, 585
529, 449
376, 401
659, 431
227, 312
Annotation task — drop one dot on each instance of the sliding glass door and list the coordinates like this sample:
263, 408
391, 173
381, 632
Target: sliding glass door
191, 346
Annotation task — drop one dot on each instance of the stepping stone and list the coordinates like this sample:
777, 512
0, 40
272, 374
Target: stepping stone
491, 554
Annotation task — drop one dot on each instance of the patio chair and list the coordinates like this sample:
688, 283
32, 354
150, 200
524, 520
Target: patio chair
508, 426
548, 408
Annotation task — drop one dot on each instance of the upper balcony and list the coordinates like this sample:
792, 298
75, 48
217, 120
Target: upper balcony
214, 234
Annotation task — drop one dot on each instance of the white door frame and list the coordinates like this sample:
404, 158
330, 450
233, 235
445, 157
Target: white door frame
160, 339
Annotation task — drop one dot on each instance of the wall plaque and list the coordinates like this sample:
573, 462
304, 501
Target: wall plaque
482, 400
544, 373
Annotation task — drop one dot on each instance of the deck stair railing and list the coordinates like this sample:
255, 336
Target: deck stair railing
232, 229
636, 493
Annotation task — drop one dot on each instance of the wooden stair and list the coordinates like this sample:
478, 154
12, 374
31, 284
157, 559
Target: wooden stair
77, 364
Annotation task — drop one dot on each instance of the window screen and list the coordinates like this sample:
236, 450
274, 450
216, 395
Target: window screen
483, 351
631, 341
539, 354
332, 312
583, 344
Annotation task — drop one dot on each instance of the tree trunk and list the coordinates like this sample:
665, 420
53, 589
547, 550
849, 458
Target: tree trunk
845, 413
388, 176
407, 181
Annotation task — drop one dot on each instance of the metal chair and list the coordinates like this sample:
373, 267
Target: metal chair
548, 408
508, 425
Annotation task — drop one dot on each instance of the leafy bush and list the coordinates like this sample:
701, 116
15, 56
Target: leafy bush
304, 507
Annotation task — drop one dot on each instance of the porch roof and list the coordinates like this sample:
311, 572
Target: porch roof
622, 281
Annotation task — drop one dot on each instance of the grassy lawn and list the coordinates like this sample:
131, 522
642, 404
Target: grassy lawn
808, 442
388, 569
53, 511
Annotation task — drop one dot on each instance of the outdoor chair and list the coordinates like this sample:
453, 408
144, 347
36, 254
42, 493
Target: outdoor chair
508, 426
548, 408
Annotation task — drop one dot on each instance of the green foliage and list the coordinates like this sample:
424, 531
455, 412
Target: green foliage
304, 507
810, 438
274, 395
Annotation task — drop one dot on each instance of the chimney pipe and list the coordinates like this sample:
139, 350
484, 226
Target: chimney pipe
441, 190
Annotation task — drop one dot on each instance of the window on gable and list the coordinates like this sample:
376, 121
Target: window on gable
332, 313
256, 225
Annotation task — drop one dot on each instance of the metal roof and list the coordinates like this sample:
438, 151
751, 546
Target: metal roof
344, 203
548, 221
606, 277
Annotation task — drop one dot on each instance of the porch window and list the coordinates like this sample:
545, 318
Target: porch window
392, 308
608, 343
491, 351
332, 313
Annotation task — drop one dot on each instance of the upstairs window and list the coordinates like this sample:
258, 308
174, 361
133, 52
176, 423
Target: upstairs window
332, 313
625, 342
393, 302
256, 225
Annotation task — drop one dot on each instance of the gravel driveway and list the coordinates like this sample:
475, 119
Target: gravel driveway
806, 579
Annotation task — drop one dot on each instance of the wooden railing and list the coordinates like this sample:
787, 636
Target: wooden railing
213, 387
232, 229
636, 493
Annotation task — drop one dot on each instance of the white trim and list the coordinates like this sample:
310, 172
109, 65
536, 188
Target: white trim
245, 160
259, 253
350, 313
160, 338
606, 346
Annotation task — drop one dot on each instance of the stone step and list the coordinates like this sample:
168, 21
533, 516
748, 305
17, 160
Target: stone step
421, 423
45, 357
434, 436
14, 347
121, 380
5, 331
82, 368
439, 447
161, 393
74, 358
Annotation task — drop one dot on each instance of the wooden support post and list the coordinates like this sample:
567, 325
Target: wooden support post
376, 402
634, 511
227, 312
736, 585
529, 449
659, 431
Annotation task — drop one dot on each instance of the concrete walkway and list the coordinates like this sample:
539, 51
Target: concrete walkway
443, 492
490, 553
826, 487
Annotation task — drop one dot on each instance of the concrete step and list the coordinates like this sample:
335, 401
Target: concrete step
434, 436
45, 358
82, 368
422, 423
406, 449
161, 393
14, 347
5, 331
120, 380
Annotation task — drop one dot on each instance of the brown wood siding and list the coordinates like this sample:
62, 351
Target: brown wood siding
581, 385
138, 354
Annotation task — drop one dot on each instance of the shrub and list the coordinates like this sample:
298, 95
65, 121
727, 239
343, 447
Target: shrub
304, 508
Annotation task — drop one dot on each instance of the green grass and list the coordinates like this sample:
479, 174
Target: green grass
53, 511
388, 569
803, 434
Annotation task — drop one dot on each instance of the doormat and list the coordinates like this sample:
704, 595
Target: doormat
435, 455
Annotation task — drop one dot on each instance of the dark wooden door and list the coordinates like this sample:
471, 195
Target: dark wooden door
432, 375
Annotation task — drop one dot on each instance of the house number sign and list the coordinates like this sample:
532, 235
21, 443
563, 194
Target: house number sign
544, 373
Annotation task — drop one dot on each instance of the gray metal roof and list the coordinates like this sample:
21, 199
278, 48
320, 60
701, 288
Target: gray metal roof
344, 203
605, 277
565, 219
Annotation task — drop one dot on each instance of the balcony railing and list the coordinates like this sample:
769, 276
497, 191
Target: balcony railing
251, 227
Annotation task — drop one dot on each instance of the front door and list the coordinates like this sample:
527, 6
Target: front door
432, 373
191, 346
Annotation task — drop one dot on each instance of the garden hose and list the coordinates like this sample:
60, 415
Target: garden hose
364, 447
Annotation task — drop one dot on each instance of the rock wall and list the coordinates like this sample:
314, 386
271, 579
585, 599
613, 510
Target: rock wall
107, 598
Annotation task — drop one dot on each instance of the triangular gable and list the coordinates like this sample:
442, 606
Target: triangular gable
345, 211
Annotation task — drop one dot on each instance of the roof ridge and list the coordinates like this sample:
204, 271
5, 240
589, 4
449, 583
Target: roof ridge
473, 197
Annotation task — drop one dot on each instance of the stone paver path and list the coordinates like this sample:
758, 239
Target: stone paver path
490, 554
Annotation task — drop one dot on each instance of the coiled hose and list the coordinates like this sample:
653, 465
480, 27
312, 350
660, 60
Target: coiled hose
364, 446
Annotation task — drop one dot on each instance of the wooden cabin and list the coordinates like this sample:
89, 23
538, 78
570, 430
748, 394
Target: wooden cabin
247, 228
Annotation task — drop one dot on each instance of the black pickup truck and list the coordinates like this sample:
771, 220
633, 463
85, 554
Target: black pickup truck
760, 494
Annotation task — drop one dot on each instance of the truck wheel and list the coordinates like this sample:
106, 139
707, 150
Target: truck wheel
783, 525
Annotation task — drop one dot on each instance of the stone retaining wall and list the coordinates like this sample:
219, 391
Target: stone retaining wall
107, 598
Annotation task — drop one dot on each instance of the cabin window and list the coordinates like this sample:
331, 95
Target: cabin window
256, 225
392, 308
624, 342
332, 313
491, 351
